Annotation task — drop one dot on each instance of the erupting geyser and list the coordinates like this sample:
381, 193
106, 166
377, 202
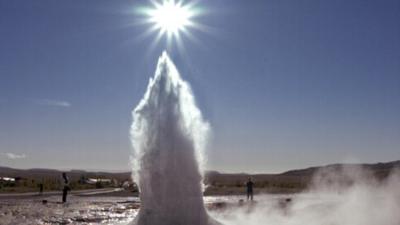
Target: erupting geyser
168, 135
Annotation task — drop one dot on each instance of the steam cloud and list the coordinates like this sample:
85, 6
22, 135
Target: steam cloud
337, 197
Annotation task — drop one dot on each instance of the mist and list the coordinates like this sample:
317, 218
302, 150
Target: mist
340, 196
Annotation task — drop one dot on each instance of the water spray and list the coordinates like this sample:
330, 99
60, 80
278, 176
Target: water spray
169, 135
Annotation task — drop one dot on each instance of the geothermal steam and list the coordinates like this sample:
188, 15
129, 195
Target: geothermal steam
168, 135
337, 197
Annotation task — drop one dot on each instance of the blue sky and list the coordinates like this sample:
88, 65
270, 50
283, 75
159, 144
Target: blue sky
284, 84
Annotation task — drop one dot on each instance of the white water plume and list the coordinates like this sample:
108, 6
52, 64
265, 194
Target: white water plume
168, 135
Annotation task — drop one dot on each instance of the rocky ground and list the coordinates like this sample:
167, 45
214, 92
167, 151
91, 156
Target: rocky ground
78, 210
40, 210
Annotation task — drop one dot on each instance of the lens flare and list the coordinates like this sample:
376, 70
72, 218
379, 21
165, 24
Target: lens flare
172, 21
170, 17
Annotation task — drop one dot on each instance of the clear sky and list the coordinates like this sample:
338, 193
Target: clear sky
284, 83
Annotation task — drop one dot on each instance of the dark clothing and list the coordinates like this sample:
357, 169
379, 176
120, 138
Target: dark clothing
65, 189
65, 193
249, 185
40, 189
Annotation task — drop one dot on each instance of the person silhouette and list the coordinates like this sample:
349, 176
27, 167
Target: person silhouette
41, 187
249, 186
65, 187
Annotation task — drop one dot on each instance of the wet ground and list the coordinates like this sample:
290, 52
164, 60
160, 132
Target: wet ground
39, 210
78, 210
362, 204
367, 206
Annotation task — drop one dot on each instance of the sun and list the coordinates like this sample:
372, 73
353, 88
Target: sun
172, 21
170, 17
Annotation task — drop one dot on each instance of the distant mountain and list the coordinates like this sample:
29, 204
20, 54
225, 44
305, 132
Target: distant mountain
381, 168
286, 182
38, 174
298, 177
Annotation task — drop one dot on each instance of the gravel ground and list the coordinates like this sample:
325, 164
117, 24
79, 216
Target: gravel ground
78, 210
90, 209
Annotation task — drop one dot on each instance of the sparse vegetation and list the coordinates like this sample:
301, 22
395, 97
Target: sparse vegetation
29, 180
216, 183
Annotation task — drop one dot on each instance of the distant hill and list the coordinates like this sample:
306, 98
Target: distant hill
219, 183
286, 182
38, 174
382, 168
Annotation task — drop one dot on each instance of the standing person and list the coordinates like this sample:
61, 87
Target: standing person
249, 185
41, 188
65, 187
